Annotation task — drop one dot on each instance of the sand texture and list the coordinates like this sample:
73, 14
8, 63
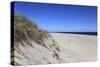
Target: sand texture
61, 48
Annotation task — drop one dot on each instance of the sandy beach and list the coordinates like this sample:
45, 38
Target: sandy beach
54, 34
76, 47
60, 48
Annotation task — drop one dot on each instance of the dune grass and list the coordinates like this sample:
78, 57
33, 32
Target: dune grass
25, 28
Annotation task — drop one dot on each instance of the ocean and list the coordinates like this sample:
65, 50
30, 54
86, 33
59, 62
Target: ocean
83, 33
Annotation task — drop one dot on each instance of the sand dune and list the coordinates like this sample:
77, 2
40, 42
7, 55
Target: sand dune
33, 45
76, 47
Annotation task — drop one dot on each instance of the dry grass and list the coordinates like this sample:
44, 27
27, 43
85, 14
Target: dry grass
24, 29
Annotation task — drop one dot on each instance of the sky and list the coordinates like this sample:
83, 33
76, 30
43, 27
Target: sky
59, 18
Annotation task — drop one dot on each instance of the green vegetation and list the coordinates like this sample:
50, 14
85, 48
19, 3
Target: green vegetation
25, 29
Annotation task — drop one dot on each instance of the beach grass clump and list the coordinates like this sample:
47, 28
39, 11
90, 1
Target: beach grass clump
25, 29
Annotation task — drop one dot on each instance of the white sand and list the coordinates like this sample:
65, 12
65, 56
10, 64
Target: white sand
76, 47
73, 48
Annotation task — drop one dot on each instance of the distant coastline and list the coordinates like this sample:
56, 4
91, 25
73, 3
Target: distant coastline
83, 33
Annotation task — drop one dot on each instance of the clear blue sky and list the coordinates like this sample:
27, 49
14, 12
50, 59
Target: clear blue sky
60, 18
